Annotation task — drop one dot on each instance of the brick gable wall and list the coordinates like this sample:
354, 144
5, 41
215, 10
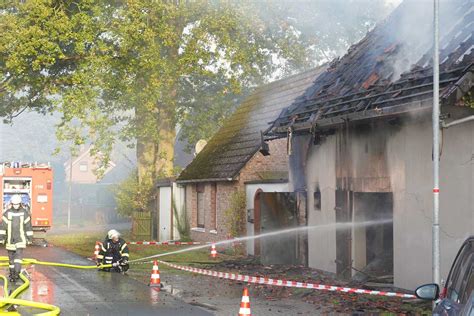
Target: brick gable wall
277, 161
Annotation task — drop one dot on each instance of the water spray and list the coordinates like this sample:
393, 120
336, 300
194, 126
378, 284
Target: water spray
270, 234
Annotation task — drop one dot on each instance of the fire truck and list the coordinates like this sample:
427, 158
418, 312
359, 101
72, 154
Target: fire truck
34, 183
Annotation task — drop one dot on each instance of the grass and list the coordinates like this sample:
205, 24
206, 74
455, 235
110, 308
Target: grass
83, 244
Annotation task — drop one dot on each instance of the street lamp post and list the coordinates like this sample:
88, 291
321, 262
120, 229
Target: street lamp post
70, 193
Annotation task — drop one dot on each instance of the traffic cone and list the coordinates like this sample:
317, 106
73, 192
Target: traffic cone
155, 276
245, 304
213, 251
96, 250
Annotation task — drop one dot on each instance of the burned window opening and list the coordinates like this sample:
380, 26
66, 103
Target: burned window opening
317, 200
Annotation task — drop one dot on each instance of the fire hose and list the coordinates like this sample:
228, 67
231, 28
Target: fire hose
10, 299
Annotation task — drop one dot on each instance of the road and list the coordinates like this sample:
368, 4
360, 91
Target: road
91, 292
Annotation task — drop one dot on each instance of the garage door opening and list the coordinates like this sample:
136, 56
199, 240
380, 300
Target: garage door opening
373, 244
278, 211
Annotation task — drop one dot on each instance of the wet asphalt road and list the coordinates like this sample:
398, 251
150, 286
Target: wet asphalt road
91, 292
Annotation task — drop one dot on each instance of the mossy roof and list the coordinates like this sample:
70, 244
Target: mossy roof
238, 140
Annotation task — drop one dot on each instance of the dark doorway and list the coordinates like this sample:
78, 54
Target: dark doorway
376, 239
277, 212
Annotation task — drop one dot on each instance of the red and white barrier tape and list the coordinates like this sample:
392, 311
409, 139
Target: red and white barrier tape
268, 281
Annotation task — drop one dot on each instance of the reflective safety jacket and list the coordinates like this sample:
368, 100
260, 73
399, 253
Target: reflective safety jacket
16, 228
111, 252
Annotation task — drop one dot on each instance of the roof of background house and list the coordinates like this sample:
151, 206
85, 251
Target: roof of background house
390, 71
182, 158
239, 139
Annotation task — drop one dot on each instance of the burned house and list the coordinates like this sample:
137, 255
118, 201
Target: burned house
361, 148
234, 160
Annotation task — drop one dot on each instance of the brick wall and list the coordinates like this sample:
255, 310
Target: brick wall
277, 161
215, 228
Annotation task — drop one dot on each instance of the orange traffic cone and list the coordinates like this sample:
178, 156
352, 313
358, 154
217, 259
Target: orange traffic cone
155, 276
245, 304
213, 251
96, 250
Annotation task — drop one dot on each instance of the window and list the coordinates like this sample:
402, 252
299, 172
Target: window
460, 283
200, 205
317, 200
213, 206
83, 166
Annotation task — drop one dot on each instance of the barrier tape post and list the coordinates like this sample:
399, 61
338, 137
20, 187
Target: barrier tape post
213, 251
245, 304
96, 250
155, 280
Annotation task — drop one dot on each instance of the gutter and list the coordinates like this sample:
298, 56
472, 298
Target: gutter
205, 180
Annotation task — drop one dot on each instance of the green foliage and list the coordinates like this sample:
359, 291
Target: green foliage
132, 196
131, 69
235, 215
182, 223
468, 100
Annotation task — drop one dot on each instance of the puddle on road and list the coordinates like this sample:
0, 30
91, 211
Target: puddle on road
41, 290
155, 293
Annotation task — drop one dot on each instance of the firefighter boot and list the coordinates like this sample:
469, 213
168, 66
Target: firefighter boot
14, 276
11, 276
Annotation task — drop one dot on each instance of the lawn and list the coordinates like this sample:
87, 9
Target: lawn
83, 245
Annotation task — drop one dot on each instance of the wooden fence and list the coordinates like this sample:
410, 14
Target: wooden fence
141, 226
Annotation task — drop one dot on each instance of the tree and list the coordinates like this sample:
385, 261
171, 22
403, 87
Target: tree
105, 64
131, 69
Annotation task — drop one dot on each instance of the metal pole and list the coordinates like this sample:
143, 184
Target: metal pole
70, 194
436, 128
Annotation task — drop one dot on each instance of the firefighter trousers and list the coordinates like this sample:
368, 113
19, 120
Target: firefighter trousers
14, 259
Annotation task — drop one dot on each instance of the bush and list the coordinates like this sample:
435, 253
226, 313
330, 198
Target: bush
235, 214
132, 196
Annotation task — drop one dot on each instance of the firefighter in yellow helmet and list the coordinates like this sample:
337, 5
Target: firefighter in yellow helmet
114, 251
16, 232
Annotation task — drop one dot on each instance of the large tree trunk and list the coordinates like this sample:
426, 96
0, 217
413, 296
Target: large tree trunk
155, 151
167, 137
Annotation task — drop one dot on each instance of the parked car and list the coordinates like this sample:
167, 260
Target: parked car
457, 296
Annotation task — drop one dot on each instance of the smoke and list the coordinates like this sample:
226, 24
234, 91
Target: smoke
410, 29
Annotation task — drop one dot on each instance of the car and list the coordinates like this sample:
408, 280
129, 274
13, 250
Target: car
457, 296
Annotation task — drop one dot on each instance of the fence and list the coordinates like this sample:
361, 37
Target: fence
141, 226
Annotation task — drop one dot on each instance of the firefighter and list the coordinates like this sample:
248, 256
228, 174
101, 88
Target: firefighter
16, 232
114, 251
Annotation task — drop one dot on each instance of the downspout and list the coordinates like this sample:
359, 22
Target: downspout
457, 122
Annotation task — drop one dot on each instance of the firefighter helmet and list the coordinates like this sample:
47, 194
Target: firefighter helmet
113, 233
16, 199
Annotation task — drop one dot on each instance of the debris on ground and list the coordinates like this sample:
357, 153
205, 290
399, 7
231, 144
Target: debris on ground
324, 301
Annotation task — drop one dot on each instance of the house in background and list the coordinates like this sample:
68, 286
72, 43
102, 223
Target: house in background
361, 140
83, 167
234, 160
93, 198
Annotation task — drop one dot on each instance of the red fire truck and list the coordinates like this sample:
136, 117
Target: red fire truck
34, 183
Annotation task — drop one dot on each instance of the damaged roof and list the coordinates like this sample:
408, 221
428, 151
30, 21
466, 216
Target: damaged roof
389, 72
239, 139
